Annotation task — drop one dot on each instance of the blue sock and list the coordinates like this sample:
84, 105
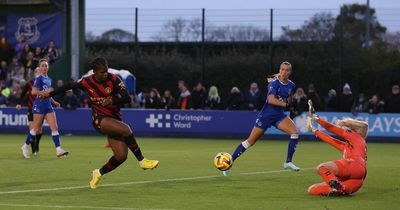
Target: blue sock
242, 147
56, 139
291, 148
31, 136
28, 139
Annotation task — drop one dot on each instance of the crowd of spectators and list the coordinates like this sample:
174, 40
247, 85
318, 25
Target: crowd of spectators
17, 65
253, 100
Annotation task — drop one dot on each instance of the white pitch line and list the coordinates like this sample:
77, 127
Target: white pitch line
145, 182
71, 207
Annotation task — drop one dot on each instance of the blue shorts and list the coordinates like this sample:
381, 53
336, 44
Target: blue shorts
42, 108
266, 121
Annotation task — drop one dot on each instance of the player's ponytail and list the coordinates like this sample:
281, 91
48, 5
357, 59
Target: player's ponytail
271, 77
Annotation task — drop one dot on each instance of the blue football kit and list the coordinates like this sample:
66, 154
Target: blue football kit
42, 106
271, 115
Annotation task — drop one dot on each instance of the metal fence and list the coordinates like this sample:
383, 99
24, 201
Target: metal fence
215, 25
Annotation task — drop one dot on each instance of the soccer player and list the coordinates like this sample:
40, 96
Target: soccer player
30, 98
43, 109
107, 93
280, 91
345, 176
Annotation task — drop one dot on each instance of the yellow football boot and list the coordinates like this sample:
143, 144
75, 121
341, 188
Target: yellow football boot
96, 176
148, 164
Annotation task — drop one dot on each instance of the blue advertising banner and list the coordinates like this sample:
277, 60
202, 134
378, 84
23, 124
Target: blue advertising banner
192, 123
39, 29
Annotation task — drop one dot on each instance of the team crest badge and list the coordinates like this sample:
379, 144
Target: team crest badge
27, 26
108, 90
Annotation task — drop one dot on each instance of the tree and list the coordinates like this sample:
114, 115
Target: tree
117, 35
91, 37
173, 30
393, 40
320, 27
190, 30
351, 25
237, 33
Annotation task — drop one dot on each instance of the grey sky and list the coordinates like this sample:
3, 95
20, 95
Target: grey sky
102, 15
235, 4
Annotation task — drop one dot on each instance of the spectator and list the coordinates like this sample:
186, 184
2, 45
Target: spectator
38, 54
153, 100
235, 99
70, 101
314, 97
133, 104
25, 52
15, 94
30, 65
184, 99
213, 100
5, 51
375, 106
59, 97
4, 94
16, 70
299, 103
253, 99
199, 97
360, 105
168, 101
393, 101
346, 100
52, 52
142, 96
331, 101
19, 47
3, 71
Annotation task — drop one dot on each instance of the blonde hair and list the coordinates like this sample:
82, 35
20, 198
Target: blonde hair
286, 63
360, 127
271, 77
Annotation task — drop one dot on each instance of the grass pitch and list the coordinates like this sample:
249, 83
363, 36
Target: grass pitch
186, 177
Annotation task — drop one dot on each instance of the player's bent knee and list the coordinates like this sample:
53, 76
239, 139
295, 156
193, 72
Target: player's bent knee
311, 190
319, 167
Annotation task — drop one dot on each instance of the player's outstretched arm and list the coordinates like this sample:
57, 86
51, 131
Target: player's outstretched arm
325, 137
330, 140
331, 127
328, 126
72, 85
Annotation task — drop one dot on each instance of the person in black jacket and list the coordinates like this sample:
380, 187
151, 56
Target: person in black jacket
392, 104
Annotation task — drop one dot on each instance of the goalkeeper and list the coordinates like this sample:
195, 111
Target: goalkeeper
345, 176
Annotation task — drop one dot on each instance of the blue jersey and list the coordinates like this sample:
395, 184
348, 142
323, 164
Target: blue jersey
282, 92
42, 105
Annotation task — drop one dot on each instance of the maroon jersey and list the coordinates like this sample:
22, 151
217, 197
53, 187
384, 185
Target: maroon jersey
112, 88
28, 92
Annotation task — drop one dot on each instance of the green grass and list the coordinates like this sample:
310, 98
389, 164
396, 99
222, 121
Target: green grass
187, 158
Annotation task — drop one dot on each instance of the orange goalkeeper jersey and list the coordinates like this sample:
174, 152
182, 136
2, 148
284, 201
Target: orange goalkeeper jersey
353, 148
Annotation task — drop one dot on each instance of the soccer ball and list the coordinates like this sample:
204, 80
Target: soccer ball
223, 161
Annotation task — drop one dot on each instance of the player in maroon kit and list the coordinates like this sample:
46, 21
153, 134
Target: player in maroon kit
107, 93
